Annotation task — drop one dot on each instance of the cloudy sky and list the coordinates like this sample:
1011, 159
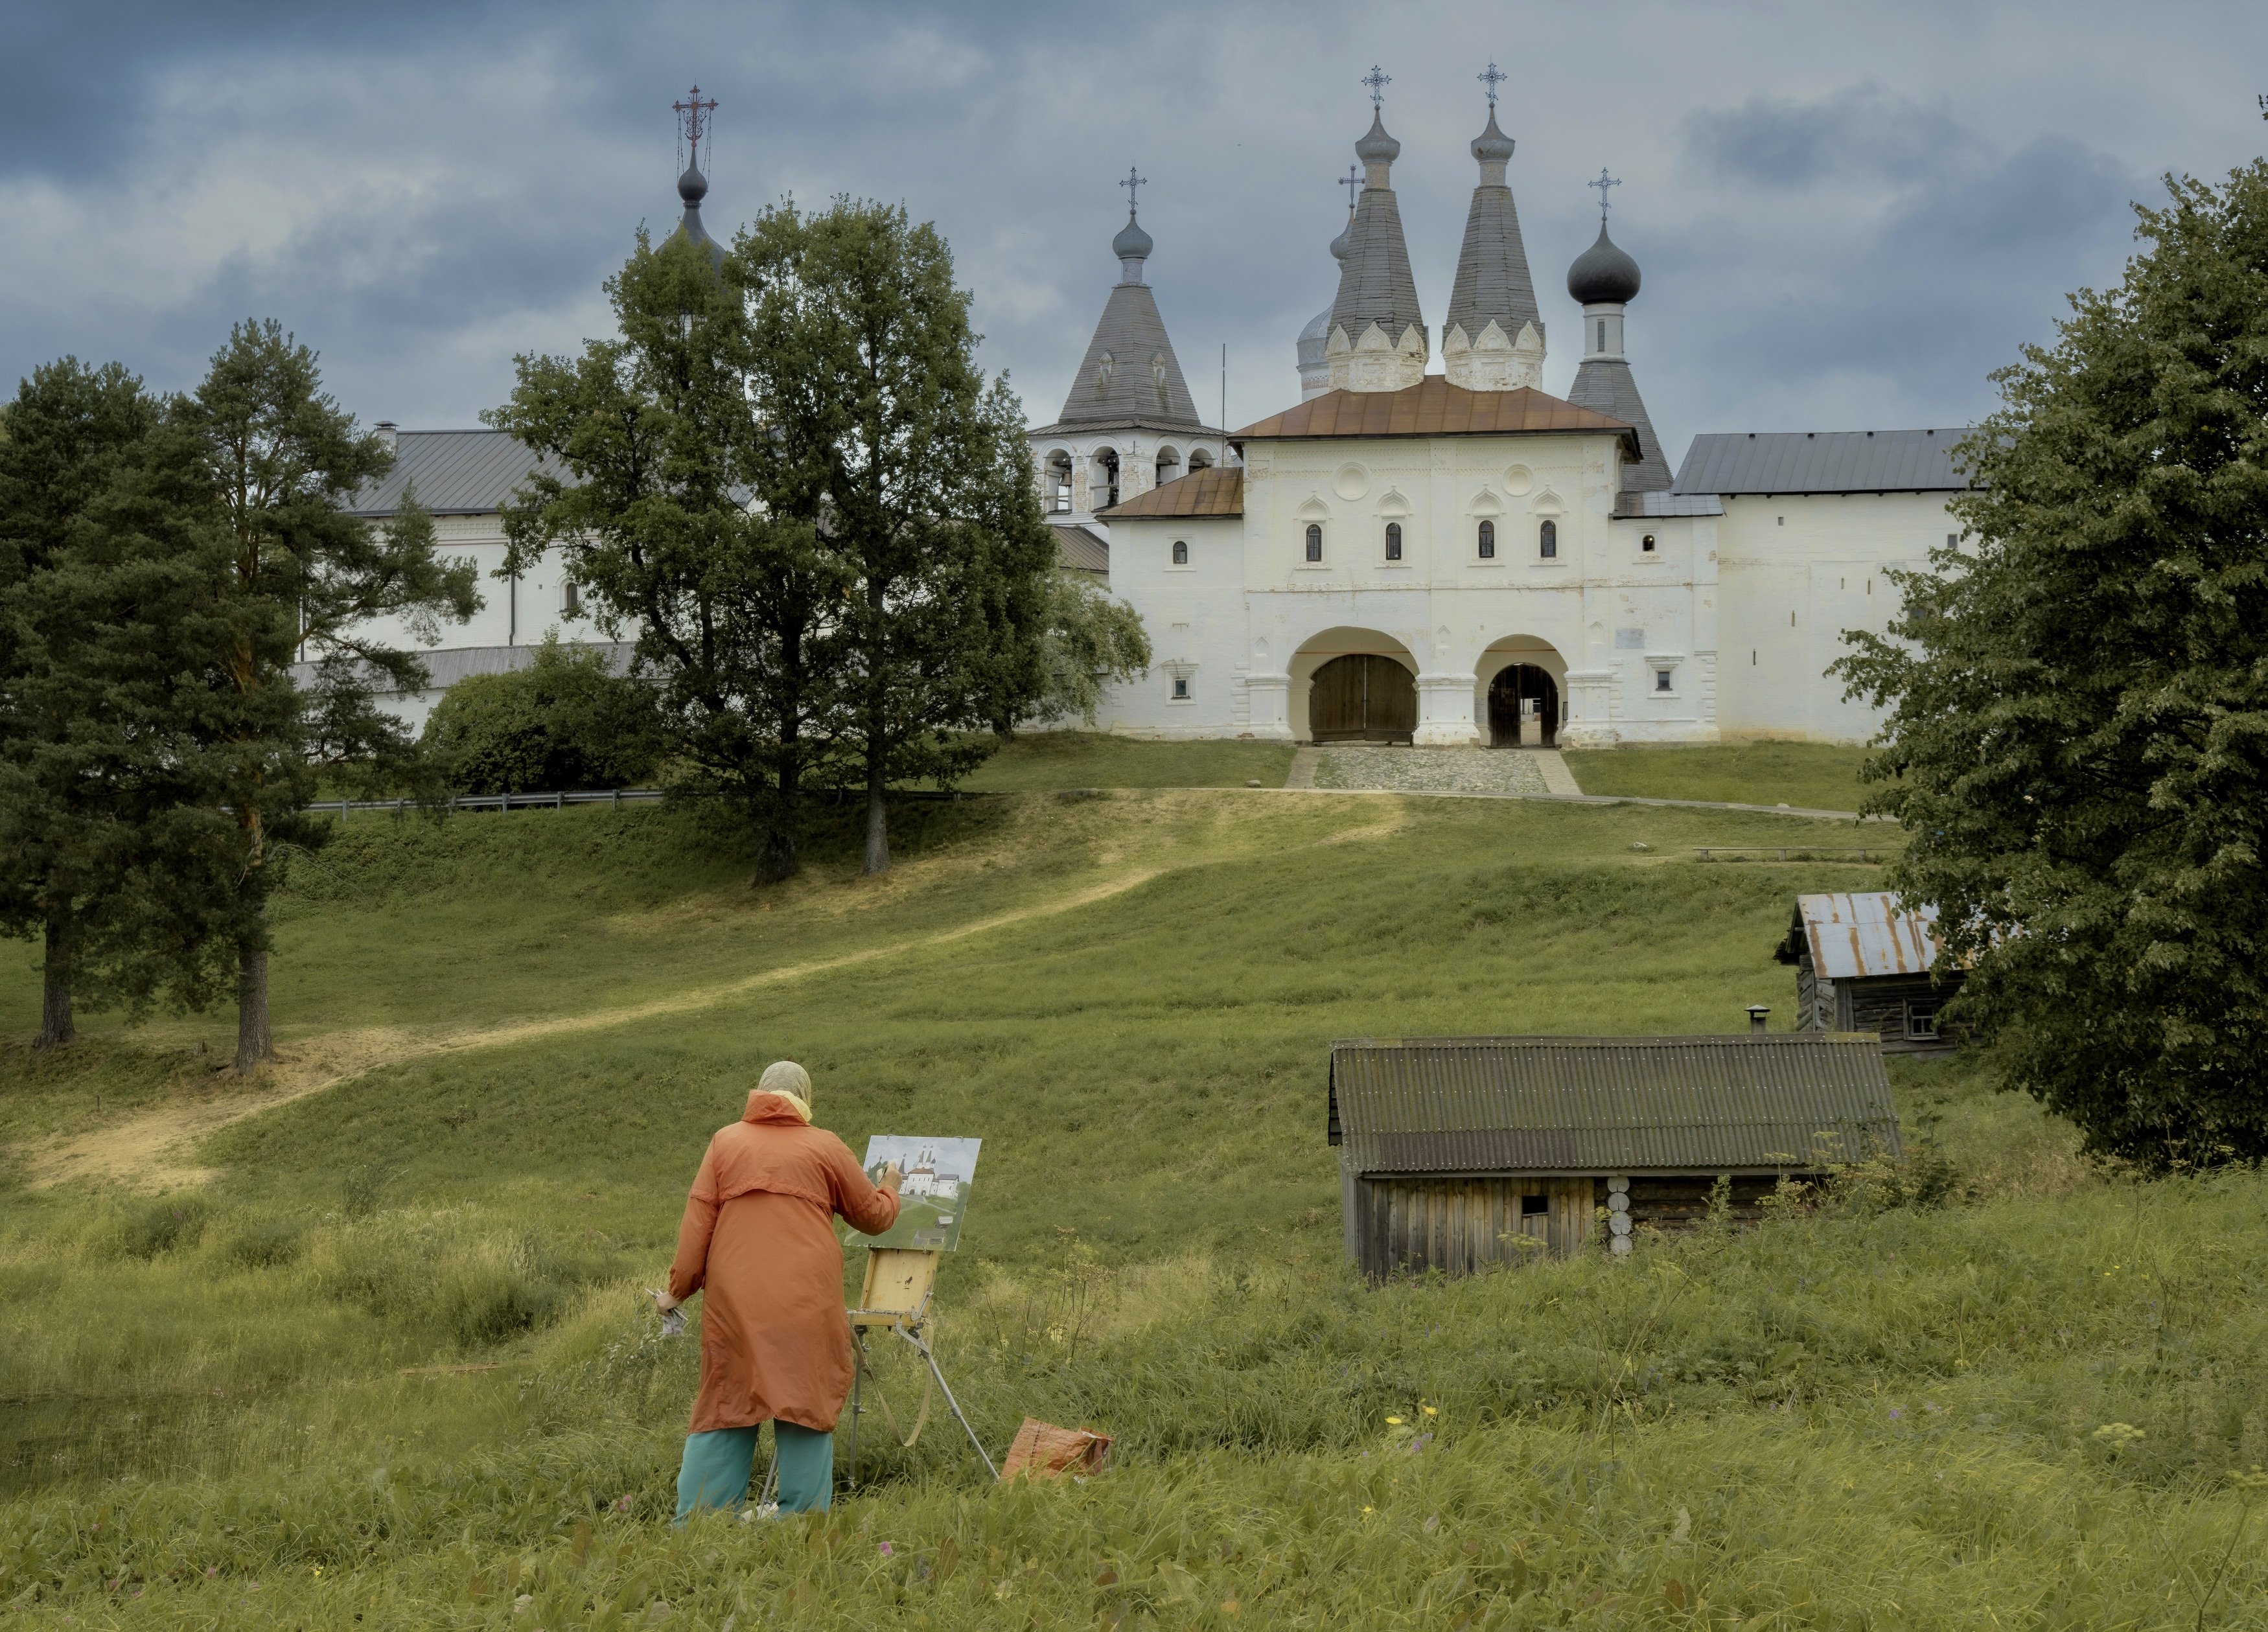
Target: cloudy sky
1847, 215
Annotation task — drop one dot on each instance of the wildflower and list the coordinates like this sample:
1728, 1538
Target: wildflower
1369, 1510
886, 1549
1896, 1414
1394, 1422
1429, 1411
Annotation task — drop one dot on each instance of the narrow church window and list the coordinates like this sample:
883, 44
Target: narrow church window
1314, 541
1779, 521
1394, 540
1487, 540
1791, 620
1549, 539
1645, 544
1661, 680
1180, 688
1180, 552
1603, 333
573, 599
1752, 657
1952, 540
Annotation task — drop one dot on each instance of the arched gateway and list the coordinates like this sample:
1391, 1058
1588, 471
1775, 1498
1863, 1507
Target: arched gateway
1523, 708
1363, 697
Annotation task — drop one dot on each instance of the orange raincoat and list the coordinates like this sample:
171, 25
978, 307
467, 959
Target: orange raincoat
758, 1241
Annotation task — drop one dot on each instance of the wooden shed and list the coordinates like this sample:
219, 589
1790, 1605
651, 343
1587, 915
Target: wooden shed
1460, 1151
1868, 962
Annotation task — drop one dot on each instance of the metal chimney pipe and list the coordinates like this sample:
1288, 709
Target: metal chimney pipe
1756, 1012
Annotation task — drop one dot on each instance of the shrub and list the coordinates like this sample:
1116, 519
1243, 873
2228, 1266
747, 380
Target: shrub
566, 722
267, 1243
162, 1225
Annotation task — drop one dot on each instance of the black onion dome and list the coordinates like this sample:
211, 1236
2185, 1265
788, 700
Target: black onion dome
1602, 274
692, 186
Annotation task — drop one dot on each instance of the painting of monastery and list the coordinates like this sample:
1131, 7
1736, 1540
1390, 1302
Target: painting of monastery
936, 1191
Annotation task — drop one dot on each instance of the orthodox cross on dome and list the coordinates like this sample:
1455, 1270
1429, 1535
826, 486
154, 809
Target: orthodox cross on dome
1134, 182
1603, 184
1493, 78
1352, 182
1377, 82
693, 120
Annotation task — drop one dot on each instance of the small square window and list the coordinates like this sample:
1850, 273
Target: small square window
1180, 688
1647, 544
1921, 1021
1533, 1206
1661, 679
1952, 540
1180, 552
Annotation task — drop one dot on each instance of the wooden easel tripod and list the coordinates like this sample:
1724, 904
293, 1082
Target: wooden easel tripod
895, 1298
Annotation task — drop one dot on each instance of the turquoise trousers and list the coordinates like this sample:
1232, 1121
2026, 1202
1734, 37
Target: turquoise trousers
718, 1464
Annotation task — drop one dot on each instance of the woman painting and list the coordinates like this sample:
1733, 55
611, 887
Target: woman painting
759, 1240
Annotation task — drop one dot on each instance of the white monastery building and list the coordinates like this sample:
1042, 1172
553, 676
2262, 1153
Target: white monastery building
1458, 558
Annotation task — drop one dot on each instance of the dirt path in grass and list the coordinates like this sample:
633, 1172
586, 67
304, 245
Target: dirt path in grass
149, 1150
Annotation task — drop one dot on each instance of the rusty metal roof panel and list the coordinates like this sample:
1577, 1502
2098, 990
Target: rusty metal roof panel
1873, 933
1216, 490
1609, 1105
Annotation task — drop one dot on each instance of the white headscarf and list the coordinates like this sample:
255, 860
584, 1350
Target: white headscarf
791, 1082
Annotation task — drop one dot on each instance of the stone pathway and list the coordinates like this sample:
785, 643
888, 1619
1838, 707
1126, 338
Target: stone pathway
1556, 777
1302, 774
1432, 770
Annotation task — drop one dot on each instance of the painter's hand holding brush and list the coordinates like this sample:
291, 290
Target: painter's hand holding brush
891, 1178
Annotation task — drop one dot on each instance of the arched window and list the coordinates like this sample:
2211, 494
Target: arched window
1394, 540
1645, 544
1169, 466
1180, 552
1199, 460
1488, 540
1314, 540
1548, 540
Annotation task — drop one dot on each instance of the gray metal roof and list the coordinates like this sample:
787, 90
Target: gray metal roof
1081, 549
1822, 461
456, 472
1744, 1103
1492, 280
1649, 505
445, 666
1374, 281
1606, 385
1142, 384
1851, 937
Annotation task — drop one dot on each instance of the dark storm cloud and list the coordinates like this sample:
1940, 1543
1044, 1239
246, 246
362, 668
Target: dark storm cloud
1845, 217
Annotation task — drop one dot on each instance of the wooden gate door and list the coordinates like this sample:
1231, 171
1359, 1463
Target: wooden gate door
1509, 693
1362, 698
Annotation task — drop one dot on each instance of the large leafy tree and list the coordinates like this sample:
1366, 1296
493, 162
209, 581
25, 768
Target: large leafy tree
313, 585
2078, 700
916, 479
678, 517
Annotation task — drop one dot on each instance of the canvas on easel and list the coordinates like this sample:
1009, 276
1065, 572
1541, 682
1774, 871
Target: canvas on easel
934, 1197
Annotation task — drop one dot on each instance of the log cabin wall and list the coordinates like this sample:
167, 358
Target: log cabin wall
1408, 1225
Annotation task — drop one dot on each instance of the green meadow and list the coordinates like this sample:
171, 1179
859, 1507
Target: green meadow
363, 1343
1807, 775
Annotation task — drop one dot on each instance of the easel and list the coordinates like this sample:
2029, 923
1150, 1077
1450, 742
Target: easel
895, 1298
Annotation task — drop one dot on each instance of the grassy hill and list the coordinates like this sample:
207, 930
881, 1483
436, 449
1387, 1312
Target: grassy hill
365, 1342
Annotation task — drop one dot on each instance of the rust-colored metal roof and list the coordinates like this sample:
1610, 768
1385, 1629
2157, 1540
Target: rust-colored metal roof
1216, 490
1434, 408
1876, 933
1743, 1103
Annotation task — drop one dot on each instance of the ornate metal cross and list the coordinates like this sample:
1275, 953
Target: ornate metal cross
693, 123
1493, 78
1377, 82
1603, 184
1134, 182
1352, 182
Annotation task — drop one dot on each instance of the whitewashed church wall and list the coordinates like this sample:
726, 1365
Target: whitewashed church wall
1193, 615
1796, 571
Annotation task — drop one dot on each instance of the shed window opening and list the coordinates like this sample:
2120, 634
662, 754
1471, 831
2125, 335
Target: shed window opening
1534, 1206
1394, 540
1661, 679
1921, 1020
1487, 540
1180, 552
1180, 688
1547, 541
1314, 541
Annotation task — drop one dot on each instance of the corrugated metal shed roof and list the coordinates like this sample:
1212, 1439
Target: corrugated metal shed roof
1216, 490
1822, 461
1609, 1105
456, 472
1876, 933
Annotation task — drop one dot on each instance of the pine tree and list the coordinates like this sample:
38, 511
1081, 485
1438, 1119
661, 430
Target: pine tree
685, 524
2078, 697
916, 478
312, 584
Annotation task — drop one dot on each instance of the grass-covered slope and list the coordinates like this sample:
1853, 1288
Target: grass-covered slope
377, 1351
1808, 775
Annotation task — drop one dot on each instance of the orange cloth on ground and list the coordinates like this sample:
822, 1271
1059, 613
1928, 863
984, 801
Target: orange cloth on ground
758, 1242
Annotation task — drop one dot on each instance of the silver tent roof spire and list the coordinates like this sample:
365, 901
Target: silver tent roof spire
1493, 338
1378, 338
